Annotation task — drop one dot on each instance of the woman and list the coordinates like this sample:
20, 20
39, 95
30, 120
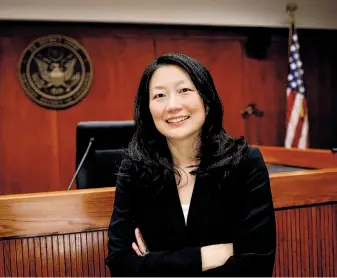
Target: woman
190, 200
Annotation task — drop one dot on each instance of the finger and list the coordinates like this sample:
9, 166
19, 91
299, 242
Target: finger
140, 242
136, 249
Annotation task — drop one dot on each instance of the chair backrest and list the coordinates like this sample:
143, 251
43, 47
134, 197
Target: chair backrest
104, 157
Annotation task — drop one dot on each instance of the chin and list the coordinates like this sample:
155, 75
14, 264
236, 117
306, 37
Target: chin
180, 135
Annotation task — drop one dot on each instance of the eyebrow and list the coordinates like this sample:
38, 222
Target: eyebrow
163, 87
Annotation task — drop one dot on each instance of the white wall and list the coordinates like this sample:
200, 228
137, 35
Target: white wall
318, 14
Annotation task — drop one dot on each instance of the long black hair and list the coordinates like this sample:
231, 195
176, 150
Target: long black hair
148, 160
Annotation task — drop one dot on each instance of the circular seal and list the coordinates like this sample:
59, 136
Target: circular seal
55, 71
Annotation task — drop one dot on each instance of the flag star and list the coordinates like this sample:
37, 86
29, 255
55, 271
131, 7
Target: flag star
296, 74
290, 77
301, 72
295, 37
299, 81
296, 56
293, 66
293, 85
299, 64
290, 60
297, 46
301, 89
293, 48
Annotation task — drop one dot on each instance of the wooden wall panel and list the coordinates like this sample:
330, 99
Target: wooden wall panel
264, 85
67, 255
37, 151
306, 242
28, 134
306, 247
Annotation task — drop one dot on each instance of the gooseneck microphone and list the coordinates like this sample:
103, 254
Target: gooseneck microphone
80, 165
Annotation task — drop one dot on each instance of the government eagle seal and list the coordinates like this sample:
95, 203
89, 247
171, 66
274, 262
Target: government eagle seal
55, 71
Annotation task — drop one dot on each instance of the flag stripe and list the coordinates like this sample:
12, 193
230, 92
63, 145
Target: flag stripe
304, 140
290, 105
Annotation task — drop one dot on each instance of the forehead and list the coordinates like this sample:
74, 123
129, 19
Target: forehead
167, 75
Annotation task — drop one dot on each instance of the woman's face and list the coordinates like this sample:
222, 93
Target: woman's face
176, 107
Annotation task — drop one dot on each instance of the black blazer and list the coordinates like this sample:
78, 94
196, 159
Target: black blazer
239, 211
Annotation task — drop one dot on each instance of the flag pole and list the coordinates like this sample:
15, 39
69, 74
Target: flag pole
291, 9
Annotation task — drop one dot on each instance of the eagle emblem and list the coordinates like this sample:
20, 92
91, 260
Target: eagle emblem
57, 75
55, 71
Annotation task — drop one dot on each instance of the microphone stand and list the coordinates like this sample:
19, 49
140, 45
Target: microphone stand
80, 165
247, 113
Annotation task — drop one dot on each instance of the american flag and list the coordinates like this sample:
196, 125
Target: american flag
297, 122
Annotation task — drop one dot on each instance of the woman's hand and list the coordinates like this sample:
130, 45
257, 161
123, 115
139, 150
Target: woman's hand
213, 256
140, 248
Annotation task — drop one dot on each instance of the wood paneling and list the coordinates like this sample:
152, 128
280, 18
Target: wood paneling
304, 187
55, 212
306, 158
264, 85
306, 242
37, 151
74, 255
306, 246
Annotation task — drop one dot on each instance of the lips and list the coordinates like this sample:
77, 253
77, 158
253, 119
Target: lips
177, 120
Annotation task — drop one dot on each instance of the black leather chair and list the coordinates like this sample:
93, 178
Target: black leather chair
103, 159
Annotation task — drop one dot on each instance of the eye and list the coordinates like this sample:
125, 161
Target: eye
158, 96
185, 90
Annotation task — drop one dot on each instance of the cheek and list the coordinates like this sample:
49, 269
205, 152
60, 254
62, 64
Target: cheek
156, 111
196, 106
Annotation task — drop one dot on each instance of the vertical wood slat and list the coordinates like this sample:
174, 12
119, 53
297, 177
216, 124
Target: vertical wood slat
72, 245
25, 258
44, 262
50, 259
306, 246
61, 255
12, 247
96, 255
56, 256
84, 254
2, 265
91, 271
19, 257
101, 252
31, 257
7, 262
78, 251
67, 257
38, 264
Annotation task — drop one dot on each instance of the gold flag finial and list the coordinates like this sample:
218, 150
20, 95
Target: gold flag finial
291, 9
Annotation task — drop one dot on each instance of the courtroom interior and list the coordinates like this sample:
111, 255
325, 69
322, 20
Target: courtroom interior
69, 73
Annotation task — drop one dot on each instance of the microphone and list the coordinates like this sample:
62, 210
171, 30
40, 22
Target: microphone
334, 150
80, 165
251, 110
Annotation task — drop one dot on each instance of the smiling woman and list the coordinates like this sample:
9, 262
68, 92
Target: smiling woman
190, 200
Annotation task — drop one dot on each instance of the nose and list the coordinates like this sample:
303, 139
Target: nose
173, 104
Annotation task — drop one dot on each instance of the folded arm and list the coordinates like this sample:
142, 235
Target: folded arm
255, 231
123, 261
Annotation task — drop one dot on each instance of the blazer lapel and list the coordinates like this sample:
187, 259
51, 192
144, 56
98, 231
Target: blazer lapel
201, 195
173, 214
